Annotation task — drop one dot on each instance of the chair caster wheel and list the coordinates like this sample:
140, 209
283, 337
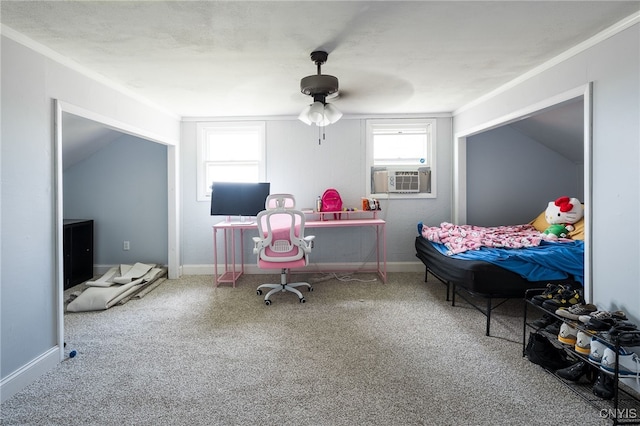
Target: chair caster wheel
302, 300
310, 288
259, 292
267, 302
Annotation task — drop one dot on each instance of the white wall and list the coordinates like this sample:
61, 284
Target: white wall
30, 297
297, 164
613, 66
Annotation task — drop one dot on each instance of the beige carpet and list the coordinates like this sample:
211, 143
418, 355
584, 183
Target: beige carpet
357, 353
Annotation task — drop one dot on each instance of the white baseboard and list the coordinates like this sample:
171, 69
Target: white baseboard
208, 269
27, 374
252, 268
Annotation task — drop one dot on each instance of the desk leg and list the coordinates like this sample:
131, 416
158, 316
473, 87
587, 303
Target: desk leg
231, 272
383, 271
241, 254
233, 257
215, 257
226, 258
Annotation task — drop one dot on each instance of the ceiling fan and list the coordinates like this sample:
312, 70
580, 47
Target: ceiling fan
319, 86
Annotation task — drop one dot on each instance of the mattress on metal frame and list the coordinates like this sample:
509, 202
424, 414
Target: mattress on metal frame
476, 276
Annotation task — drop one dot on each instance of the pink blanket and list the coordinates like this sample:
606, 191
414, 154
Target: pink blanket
460, 238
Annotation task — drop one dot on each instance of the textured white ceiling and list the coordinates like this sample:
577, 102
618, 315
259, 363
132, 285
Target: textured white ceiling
243, 58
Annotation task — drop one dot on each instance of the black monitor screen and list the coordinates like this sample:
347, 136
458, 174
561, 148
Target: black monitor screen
238, 198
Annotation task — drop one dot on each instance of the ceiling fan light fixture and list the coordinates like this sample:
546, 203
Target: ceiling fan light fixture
304, 115
319, 86
320, 114
316, 112
332, 113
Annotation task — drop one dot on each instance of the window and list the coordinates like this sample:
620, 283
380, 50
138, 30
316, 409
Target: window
401, 158
229, 152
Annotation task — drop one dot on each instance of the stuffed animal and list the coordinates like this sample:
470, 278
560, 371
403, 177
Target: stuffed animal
561, 215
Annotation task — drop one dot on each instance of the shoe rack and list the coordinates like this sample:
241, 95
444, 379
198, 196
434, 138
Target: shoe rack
624, 406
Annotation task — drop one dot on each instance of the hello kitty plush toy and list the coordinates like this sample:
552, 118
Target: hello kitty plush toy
561, 215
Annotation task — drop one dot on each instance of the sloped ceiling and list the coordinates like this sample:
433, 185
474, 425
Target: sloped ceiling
560, 128
82, 137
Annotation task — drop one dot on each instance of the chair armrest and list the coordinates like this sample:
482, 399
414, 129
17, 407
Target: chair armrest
257, 245
308, 243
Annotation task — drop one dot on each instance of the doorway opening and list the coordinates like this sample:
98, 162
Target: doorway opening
73, 125
461, 188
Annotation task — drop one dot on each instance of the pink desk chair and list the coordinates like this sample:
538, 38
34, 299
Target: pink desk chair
282, 244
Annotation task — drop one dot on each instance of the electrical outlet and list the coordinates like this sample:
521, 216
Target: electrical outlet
125, 245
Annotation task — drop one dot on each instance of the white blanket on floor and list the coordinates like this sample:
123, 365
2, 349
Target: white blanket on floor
101, 298
123, 274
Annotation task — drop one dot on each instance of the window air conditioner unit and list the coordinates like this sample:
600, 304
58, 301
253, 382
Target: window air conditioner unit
403, 180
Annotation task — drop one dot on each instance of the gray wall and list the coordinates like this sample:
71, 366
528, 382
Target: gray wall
123, 188
511, 177
613, 66
297, 164
29, 306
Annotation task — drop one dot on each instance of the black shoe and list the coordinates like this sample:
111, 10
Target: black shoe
603, 387
573, 372
550, 291
563, 299
622, 328
554, 327
601, 324
541, 351
629, 339
544, 321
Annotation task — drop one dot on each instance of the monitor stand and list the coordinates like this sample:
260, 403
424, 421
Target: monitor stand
242, 220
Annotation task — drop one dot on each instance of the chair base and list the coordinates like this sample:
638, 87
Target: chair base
283, 287
275, 288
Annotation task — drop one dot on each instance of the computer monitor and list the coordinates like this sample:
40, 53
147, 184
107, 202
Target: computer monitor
238, 198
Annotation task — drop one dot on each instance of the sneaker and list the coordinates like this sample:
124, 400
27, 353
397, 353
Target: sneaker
548, 293
604, 316
628, 363
573, 372
622, 329
554, 327
603, 388
601, 324
544, 321
574, 312
563, 300
629, 339
596, 351
568, 334
583, 343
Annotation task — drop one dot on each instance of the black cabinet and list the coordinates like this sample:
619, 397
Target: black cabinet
78, 251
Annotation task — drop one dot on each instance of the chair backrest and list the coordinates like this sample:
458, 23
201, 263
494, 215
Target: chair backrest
288, 201
282, 232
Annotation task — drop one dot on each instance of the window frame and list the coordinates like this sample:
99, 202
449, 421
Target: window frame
203, 129
407, 123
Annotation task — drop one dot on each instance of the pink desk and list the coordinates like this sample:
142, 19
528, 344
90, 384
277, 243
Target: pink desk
232, 270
